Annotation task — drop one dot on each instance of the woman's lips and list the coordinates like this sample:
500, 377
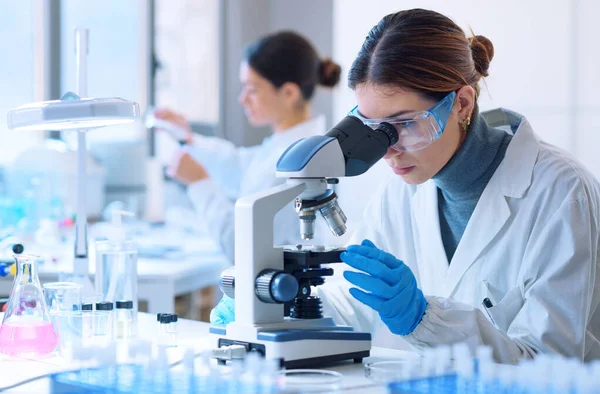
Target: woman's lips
402, 170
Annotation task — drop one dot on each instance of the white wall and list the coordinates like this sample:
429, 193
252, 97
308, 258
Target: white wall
543, 68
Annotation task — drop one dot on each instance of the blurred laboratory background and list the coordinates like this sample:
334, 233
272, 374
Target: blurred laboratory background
185, 55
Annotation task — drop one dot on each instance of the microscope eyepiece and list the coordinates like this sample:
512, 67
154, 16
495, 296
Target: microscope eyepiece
362, 146
390, 132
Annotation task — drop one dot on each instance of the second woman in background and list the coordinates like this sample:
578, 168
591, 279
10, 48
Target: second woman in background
279, 75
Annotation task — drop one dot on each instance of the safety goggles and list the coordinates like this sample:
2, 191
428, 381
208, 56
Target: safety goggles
416, 130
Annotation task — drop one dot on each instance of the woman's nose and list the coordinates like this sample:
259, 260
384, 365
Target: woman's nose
391, 152
242, 97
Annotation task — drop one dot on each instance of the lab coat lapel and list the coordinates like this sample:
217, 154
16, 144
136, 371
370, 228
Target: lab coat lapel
511, 180
489, 216
433, 263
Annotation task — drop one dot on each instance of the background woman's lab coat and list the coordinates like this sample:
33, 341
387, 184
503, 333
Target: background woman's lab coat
531, 246
236, 172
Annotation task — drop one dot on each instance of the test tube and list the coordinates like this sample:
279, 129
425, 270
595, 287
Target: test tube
443, 359
270, 378
161, 378
584, 381
463, 366
253, 365
486, 362
428, 362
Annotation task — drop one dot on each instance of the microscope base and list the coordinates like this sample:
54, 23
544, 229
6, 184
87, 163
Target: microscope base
302, 348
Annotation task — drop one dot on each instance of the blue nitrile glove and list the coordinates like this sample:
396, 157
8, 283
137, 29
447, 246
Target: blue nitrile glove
224, 312
391, 288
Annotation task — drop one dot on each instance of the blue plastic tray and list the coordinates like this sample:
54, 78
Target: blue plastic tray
126, 379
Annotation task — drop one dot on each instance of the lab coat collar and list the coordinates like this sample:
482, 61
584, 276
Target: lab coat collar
514, 175
313, 126
511, 179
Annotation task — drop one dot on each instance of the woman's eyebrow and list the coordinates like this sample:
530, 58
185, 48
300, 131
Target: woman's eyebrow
389, 116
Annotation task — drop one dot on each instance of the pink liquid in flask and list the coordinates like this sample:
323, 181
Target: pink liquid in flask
27, 338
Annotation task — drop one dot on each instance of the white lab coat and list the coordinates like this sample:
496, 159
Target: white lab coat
236, 172
531, 246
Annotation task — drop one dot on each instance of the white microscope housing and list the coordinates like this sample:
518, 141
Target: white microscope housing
275, 313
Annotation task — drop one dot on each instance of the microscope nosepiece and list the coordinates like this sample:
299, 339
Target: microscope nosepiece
328, 205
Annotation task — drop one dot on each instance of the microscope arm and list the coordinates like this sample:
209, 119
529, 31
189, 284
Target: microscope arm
254, 251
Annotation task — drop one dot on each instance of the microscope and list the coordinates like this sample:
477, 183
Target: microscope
275, 313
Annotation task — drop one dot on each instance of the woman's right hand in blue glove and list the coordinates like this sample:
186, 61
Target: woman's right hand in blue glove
224, 312
387, 285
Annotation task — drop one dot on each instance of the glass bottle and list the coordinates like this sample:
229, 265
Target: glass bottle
116, 267
26, 328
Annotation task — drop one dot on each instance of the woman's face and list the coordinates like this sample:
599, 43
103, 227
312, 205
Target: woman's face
415, 167
259, 98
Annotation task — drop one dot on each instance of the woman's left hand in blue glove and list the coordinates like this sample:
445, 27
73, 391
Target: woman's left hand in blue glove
390, 286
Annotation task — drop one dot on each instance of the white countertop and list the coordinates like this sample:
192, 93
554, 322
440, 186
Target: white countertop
190, 334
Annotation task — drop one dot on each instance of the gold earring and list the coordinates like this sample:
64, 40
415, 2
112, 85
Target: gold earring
466, 123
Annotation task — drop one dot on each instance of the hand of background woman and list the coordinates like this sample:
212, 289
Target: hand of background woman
185, 169
178, 120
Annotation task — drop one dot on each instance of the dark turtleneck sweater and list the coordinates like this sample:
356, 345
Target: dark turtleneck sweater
462, 181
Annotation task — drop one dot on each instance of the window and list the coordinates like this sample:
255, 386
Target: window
116, 62
17, 74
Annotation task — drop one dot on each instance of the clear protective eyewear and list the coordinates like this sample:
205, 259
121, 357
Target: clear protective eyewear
416, 130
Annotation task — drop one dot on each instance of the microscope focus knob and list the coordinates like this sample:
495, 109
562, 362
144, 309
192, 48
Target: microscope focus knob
275, 287
227, 282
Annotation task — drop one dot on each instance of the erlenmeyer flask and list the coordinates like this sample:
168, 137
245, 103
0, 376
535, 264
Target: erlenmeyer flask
26, 328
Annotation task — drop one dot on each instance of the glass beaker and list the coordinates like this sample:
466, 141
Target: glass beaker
26, 328
62, 297
75, 330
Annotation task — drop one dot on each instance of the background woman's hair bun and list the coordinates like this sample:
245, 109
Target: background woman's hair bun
329, 73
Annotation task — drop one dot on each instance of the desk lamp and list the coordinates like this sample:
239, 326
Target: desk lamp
74, 111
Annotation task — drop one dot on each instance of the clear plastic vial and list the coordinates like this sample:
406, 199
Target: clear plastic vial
163, 329
124, 321
159, 329
172, 330
103, 320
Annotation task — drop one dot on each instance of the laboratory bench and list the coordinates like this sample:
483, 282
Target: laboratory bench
170, 263
190, 334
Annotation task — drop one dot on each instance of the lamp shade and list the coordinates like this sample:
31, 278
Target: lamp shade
73, 112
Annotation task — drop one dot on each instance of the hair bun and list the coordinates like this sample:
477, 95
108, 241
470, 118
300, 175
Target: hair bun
482, 51
329, 73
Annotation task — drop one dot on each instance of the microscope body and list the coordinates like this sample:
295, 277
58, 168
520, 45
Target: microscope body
275, 313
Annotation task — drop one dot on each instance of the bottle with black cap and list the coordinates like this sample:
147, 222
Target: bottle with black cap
124, 323
87, 321
103, 320
162, 337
